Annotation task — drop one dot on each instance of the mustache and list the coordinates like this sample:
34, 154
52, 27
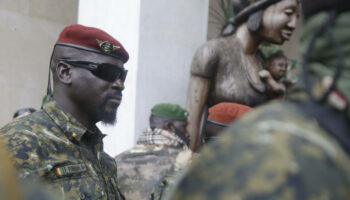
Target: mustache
116, 94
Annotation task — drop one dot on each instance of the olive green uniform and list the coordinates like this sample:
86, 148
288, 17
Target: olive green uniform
52, 145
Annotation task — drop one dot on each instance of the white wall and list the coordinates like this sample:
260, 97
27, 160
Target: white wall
29, 30
170, 33
119, 18
161, 37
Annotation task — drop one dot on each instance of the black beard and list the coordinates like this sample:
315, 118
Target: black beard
107, 118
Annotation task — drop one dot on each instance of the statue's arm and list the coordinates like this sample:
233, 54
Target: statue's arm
202, 70
273, 85
197, 95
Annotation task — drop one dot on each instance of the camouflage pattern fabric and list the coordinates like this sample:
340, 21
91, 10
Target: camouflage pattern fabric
157, 153
9, 187
13, 189
275, 152
52, 145
324, 56
164, 186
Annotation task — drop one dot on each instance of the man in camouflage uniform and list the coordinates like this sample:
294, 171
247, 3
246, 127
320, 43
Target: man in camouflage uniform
161, 150
61, 144
221, 116
297, 149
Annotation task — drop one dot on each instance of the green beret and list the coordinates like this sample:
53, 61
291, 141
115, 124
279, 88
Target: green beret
171, 111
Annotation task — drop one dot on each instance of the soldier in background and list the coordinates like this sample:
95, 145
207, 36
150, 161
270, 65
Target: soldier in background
23, 112
160, 150
297, 149
60, 144
221, 116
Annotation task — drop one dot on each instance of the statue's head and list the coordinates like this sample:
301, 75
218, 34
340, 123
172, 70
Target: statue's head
273, 20
277, 65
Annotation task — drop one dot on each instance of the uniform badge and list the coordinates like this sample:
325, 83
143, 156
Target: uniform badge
107, 46
70, 169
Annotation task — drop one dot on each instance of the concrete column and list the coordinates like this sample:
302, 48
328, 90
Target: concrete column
161, 37
170, 33
120, 19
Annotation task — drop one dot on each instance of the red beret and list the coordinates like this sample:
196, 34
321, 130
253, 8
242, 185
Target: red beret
226, 112
92, 39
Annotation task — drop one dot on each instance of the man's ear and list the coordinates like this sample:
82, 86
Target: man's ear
64, 73
168, 125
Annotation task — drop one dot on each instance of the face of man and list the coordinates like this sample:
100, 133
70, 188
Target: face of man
278, 67
279, 21
181, 126
98, 97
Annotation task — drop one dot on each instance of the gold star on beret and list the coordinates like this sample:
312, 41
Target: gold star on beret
107, 46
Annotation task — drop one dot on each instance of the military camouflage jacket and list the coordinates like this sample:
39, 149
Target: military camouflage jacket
275, 152
52, 145
156, 154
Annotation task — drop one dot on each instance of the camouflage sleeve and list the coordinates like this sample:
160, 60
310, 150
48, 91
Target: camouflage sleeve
167, 182
161, 188
24, 149
272, 153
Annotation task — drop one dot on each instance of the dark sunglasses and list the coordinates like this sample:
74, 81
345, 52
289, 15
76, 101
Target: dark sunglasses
105, 71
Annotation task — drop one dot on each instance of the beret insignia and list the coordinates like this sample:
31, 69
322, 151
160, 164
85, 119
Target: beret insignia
107, 46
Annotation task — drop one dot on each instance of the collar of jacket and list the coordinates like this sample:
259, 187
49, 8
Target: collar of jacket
73, 129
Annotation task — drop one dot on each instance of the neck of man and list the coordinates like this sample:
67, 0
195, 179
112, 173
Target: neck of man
75, 110
250, 41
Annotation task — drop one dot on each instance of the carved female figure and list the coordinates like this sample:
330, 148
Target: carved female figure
226, 68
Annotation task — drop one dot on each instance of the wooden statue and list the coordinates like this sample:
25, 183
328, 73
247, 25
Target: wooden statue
274, 75
227, 69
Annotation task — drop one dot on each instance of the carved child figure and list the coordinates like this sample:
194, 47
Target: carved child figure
227, 69
274, 75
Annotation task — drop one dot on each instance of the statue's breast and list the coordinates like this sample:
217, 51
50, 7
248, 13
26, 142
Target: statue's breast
231, 84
